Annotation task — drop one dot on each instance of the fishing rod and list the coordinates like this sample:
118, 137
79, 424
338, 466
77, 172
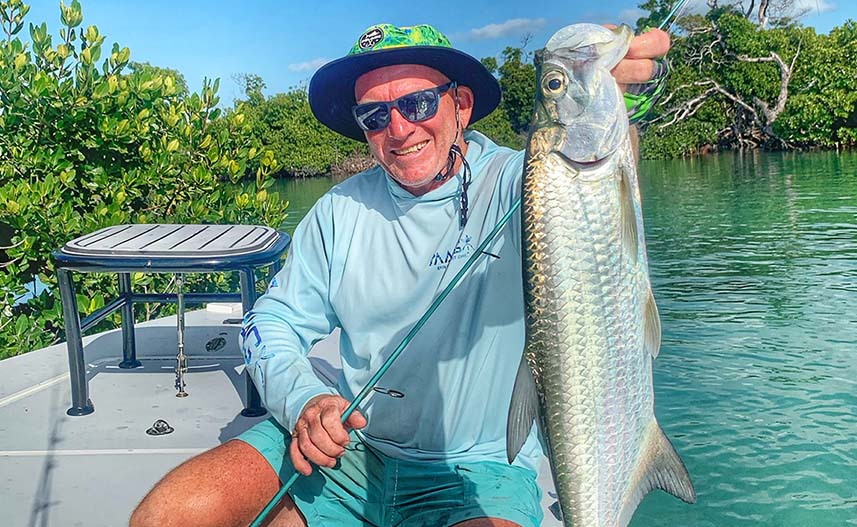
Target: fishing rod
675, 12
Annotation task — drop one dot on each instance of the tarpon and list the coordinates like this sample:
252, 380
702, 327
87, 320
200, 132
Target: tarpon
592, 325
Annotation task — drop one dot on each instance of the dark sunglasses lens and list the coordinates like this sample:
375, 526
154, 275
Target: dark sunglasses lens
418, 106
372, 116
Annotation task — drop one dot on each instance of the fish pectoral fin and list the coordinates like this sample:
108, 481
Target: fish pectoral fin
628, 217
652, 326
523, 410
660, 468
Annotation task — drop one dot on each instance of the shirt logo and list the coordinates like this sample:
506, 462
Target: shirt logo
440, 260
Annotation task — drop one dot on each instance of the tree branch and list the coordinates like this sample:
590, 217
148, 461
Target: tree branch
691, 106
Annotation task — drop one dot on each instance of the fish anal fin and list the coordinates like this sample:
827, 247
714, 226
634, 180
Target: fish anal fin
660, 467
652, 326
628, 218
523, 410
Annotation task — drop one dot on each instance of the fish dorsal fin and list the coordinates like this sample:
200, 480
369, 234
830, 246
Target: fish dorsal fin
523, 410
652, 326
660, 467
628, 218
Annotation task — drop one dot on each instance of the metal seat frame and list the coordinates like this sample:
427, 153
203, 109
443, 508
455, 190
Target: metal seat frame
67, 260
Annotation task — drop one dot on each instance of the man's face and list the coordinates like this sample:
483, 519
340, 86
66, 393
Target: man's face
413, 153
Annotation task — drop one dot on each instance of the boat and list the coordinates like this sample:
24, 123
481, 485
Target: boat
92, 470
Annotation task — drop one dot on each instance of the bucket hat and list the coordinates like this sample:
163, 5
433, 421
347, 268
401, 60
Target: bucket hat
331, 89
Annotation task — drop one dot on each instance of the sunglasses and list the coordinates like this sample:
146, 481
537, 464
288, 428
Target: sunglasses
415, 107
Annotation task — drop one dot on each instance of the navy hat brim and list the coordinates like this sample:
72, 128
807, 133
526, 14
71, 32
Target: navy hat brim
331, 89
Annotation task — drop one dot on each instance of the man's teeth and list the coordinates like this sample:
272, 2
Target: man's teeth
411, 149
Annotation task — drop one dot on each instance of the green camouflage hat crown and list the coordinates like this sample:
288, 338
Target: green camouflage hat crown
388, 36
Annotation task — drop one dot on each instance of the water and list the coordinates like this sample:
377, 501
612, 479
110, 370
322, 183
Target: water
301, 195
754, 262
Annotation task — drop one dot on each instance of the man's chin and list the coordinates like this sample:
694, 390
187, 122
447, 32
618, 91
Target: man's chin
416, 186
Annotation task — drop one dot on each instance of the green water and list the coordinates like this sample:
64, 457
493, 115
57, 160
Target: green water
301, 195
754, 261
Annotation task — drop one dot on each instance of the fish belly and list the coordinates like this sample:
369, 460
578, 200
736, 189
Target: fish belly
585, 342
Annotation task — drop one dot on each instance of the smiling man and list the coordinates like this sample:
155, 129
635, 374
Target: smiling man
371, 255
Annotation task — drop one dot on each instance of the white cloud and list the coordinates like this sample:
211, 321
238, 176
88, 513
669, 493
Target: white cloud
630, 16
310, 65
512, 27
813, 7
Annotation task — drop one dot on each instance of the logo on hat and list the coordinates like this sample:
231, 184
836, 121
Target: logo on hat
371, 37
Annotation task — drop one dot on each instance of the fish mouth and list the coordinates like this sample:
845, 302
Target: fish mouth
582, 166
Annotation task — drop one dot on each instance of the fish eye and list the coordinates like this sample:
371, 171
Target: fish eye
553, 83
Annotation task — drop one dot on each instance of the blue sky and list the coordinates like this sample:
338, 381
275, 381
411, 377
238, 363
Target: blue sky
284, 41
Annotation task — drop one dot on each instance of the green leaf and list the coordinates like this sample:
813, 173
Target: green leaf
22, 324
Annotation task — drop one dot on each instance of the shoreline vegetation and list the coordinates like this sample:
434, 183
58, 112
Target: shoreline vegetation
90, 138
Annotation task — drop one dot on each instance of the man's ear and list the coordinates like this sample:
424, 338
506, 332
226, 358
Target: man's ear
465, 105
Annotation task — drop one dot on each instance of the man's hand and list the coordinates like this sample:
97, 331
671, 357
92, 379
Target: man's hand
637, 66
319, 436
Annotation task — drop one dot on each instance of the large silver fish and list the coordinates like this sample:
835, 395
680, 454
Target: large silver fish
592, 324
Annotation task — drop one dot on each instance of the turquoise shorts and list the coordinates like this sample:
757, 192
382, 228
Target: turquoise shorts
368, 488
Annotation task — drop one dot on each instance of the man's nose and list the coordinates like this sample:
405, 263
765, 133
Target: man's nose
399, 127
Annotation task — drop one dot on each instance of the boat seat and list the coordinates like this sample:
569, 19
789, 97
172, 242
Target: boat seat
160, 248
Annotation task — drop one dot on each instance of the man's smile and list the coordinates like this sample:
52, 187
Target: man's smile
411, 149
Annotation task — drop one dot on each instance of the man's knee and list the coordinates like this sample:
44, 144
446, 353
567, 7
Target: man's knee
225, 486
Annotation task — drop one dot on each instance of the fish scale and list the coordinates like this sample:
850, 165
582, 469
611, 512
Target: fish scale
592, 327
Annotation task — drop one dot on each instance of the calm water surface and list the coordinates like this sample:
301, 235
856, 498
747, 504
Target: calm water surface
754, 261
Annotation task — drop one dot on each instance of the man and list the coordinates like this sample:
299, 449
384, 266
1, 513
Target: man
369, 258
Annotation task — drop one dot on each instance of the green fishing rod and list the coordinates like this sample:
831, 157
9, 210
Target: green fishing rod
675, 12
399, 349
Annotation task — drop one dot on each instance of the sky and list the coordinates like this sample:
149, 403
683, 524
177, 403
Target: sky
285, 41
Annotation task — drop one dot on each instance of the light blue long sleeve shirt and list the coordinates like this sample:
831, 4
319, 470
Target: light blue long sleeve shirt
370, 258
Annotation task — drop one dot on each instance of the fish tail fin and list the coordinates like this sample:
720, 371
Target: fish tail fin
660, 468
523, 410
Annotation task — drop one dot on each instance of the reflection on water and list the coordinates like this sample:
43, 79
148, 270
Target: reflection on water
754, 260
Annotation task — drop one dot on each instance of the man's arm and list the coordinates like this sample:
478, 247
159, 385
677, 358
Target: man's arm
278, 333
288, 319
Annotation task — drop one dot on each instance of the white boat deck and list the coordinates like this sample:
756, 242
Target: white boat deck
57, 470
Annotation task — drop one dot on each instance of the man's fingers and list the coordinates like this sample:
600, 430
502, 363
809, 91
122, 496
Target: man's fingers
651, 44
633, 71
356, 420
300, 463
319, 437
310, 448
331, 420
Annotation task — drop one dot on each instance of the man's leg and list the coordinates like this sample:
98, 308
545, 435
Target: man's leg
223, 487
